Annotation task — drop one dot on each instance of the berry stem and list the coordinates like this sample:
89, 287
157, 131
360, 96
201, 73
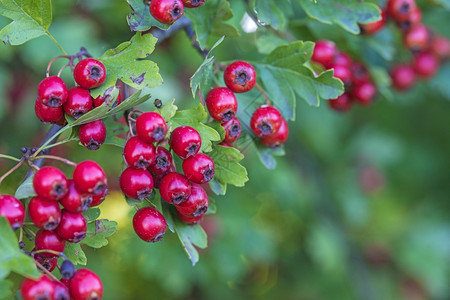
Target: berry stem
47, 72
59, 143
201, 98
48, 139
263, 93
56, 42
62, 69
64, 160
20, 234
11, 170
10, 157
48, 251
47, 272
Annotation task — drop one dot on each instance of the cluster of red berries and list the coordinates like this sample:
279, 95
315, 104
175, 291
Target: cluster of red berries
168, 11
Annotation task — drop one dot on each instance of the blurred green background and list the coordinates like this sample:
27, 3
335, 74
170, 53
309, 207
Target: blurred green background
357, 209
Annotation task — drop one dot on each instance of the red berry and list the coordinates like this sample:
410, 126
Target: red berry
190, 220
52, 91
374, 27
136, 183
162, 163
417, 39
98, 199
137, 154
359, 73
44, 214
93, 134
149, 224
89, 73
175, 188
85, 285
364, 93
151, 127
49, 263
166, 11
98, 101
40, 289
48, 114
403, 77
399, 10
342, 59
221, 103
185, 141
13, 210
343, 73
49, 240
440, 47
199, 168
240, 76
61, 291
89, 178
414, 19
72, 227
78, 102
425, 64
341, 103
265, 121
74, 201
278, 138
232, 130
196, 204
193, 3
50, 183
324, 52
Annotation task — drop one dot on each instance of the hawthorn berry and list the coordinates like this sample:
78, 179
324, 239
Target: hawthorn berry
174, 188
166, 11
43, 213
341, 103
149, 224
98, 199
49, 263
240, 76
232, 130
52, 91
85, 285
162, 163
48, 114
199, 168
50, 183
359, 73
136, 183
193, 3
417, 38
74, 201
343, 73
364, 92
374, 27
185, 141
399, 10
414, 19
13, 210
189, 220
138, 154
221, 103
265, 121
342, 59
440, 47
93, 134
324, 52
49, 240
196, 204
89, 73
403, 77
89, 178
40, 289
72, 227
78, 102
425, 64
279, 138
151, 127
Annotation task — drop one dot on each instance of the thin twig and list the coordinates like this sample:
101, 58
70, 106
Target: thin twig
11, 170
64, 160
263, 93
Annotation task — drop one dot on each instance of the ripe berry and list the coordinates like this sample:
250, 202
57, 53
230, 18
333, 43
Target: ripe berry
185, 141
414, 19
193, 3
40, 289
52, 91
74, 201
149, 224
166, 11
85, 285
343, 73
403, 77
374, 27
364, 93
190, 220
399, 10
136, 183
162, 163
221, 103
98, 101
49, 240
138, 154
93, 134
440, 47
196, 204
61, 291
265, 121
98, 199
342, 59
417, 39
278, 138
89, 178
359, 73
72, 227
240, 76
341, 103
13, 210
78, 102
199, 168
232, 130
50, 183
48, 114
49, 263
425, 64
151, 127
175, 188
44, 214
324, 52
89, 73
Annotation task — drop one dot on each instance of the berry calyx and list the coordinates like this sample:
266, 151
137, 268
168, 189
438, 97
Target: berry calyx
44, 213
185, 141
49, 263
193, 3
98, 199
221, 103
162, 163
414, 19
199, 168
41, 288
47, 114
52, 91
138, 154
78, 102
232, 130
399, 10
85, 285
74, 201
324, 52
93, 134
364, 93
417, 38
341, 103
13, 210
151, 127
240, 76
149, 224
89, 178
279, 138
136, 183
425, 64
166, 11
403, 77
359, 73
49, 240
72, 227
89, 73
196, 204
50, 183
175, 188
265, 121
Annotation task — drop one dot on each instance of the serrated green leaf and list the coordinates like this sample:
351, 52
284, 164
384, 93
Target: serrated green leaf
98, 231
5, 289
113, 129
266, 43
26, 190
266, 155
91, 214
189, 236
269, 13
30, 19
168, 110
75, 254
227, 167
140, 18
218, 187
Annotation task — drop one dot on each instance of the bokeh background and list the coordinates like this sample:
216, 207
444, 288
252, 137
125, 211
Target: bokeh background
358, 208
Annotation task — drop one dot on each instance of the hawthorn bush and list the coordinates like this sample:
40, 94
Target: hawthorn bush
224, 149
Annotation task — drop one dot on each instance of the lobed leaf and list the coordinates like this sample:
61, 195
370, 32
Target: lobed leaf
98, 231
75, 254
227, 167
25, 190
140, 18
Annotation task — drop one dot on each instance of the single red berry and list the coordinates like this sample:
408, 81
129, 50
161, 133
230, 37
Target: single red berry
196, 204
49, 263
440, 47
98, 101
232, 130
13, 210
98, 199
414, 19
418, 38
343, 73
40, 289
138, 154
221, 103
136, 183
425, 64
85, 285
265, 121
52, 91
399, 10
193, 3
341, 103
166, 11
49, 240
149, 224
89, 178
403, 77
175, 188
74, 201
72, 227
240, 76
359, 73
61, 291
93, 134
44, 214
50, 183
46, 113
324, 52
189, 220
278, 138
199, 168
342, 59
89, 73
78, 102
151, 127
374, 27
162, 163
364, 93
185, 141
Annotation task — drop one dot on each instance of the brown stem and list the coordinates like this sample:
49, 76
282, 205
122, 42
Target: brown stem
47, 72
201, 98
46, 251
64, 160
47, 272
263, 93
11, 170
62, 68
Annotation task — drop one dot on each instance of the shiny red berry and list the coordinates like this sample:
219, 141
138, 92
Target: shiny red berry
221, 103
374, 27
342, 59
232, 130
93, 134
72, 227
44, 213
48, 114
193, 3
138, 154
175, 188
166, 11
343, 73
40, 289
199, 168
50, 183
89, 73
136, 183
364, 93
414, 19
49, 263
360, 74
403, 77
324, 52
196, 204
162, 163
85, 285
89, 178
149, 224
417, 38
74, 201
185, 141
240, 76
78, 102
399, 10
13, 210
279, 138
341, 103
98, 101
61, 291
49, 240
189, 220
52, 91
265, 121
425, 64
98, 199
151, 127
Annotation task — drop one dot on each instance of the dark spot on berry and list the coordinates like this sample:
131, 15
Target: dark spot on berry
142, 194
200, 211
54, 101
228, 115
96, 72
142, 163
266, 128
404, 9
51, 225
158, 237
176, 11
179, 198
85, 203
59, 190
161, 162
21, 245
46, 265
235, 130
99, 188
43, 297
208, 174
192, 149
78, 237
15, 226
242, 78
158, 133
93, 145
78, 113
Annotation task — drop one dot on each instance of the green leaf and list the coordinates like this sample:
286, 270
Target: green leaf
269, 13
140, 18
113, 129
444, 3
266, 155
440, 81
26, 190
98, 231
30, 19
168, 110
75, 254
5, 289
189, 236
218, 187
227, 167
91, 214
345, 13
266, 43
